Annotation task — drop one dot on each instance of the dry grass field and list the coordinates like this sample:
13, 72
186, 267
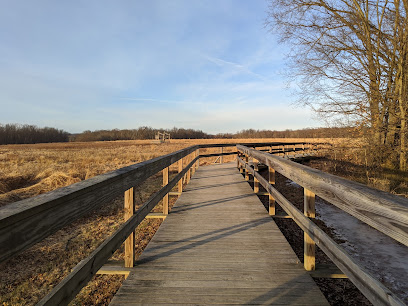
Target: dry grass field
30, 170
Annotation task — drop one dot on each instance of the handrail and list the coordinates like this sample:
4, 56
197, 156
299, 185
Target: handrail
385, 212
333, 189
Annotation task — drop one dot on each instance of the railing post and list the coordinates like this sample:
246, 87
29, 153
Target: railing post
166, 197
193, 166
309, 244
256, 182
198, 160
222, 156
241, 168
246, 170
189, 170
180, 168
271, 198
130, 241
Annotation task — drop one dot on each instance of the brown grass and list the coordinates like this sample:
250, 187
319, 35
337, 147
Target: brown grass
30, 170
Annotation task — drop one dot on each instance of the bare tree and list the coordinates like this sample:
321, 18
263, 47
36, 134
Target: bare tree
350, 57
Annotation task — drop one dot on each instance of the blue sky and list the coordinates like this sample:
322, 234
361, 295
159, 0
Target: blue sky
208, 65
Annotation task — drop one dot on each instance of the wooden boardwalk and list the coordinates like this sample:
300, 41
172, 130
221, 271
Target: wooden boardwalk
219, 246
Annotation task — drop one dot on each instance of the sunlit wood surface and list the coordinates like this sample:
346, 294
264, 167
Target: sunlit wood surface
219, 246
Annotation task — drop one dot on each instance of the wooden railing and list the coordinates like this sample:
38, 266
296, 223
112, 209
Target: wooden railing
24, 223
383, 211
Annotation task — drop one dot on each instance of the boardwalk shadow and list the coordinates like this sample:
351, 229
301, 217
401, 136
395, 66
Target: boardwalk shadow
293, 292
187, 207
214, 186
195, 242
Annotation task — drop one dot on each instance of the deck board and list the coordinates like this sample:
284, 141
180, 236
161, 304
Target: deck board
218, 246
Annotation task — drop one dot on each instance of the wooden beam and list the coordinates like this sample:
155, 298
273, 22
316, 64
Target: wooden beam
222, 155
130, 241
309, 261
166, 197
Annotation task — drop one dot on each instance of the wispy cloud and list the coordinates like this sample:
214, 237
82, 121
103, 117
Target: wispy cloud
94, 65
234, 67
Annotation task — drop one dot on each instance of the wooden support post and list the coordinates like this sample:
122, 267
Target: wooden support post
166, 197
309, 244
222, 156
272, 210
193, 166
180, 168
198, 160
189, 170
246, 171
256, 182
130, 241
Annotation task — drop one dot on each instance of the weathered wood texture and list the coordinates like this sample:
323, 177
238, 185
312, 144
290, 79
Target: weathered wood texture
383, 211
376, 292
218, 246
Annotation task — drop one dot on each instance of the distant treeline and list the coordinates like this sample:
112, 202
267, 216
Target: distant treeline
143, 132
176, 133
26, 134
332, 132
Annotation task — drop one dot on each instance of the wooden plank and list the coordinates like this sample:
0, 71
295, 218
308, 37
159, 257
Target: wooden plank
129, 211
26, 222
375, 291
66, 290
385, 212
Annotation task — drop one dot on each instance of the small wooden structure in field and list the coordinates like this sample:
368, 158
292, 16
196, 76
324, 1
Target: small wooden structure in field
161, 137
